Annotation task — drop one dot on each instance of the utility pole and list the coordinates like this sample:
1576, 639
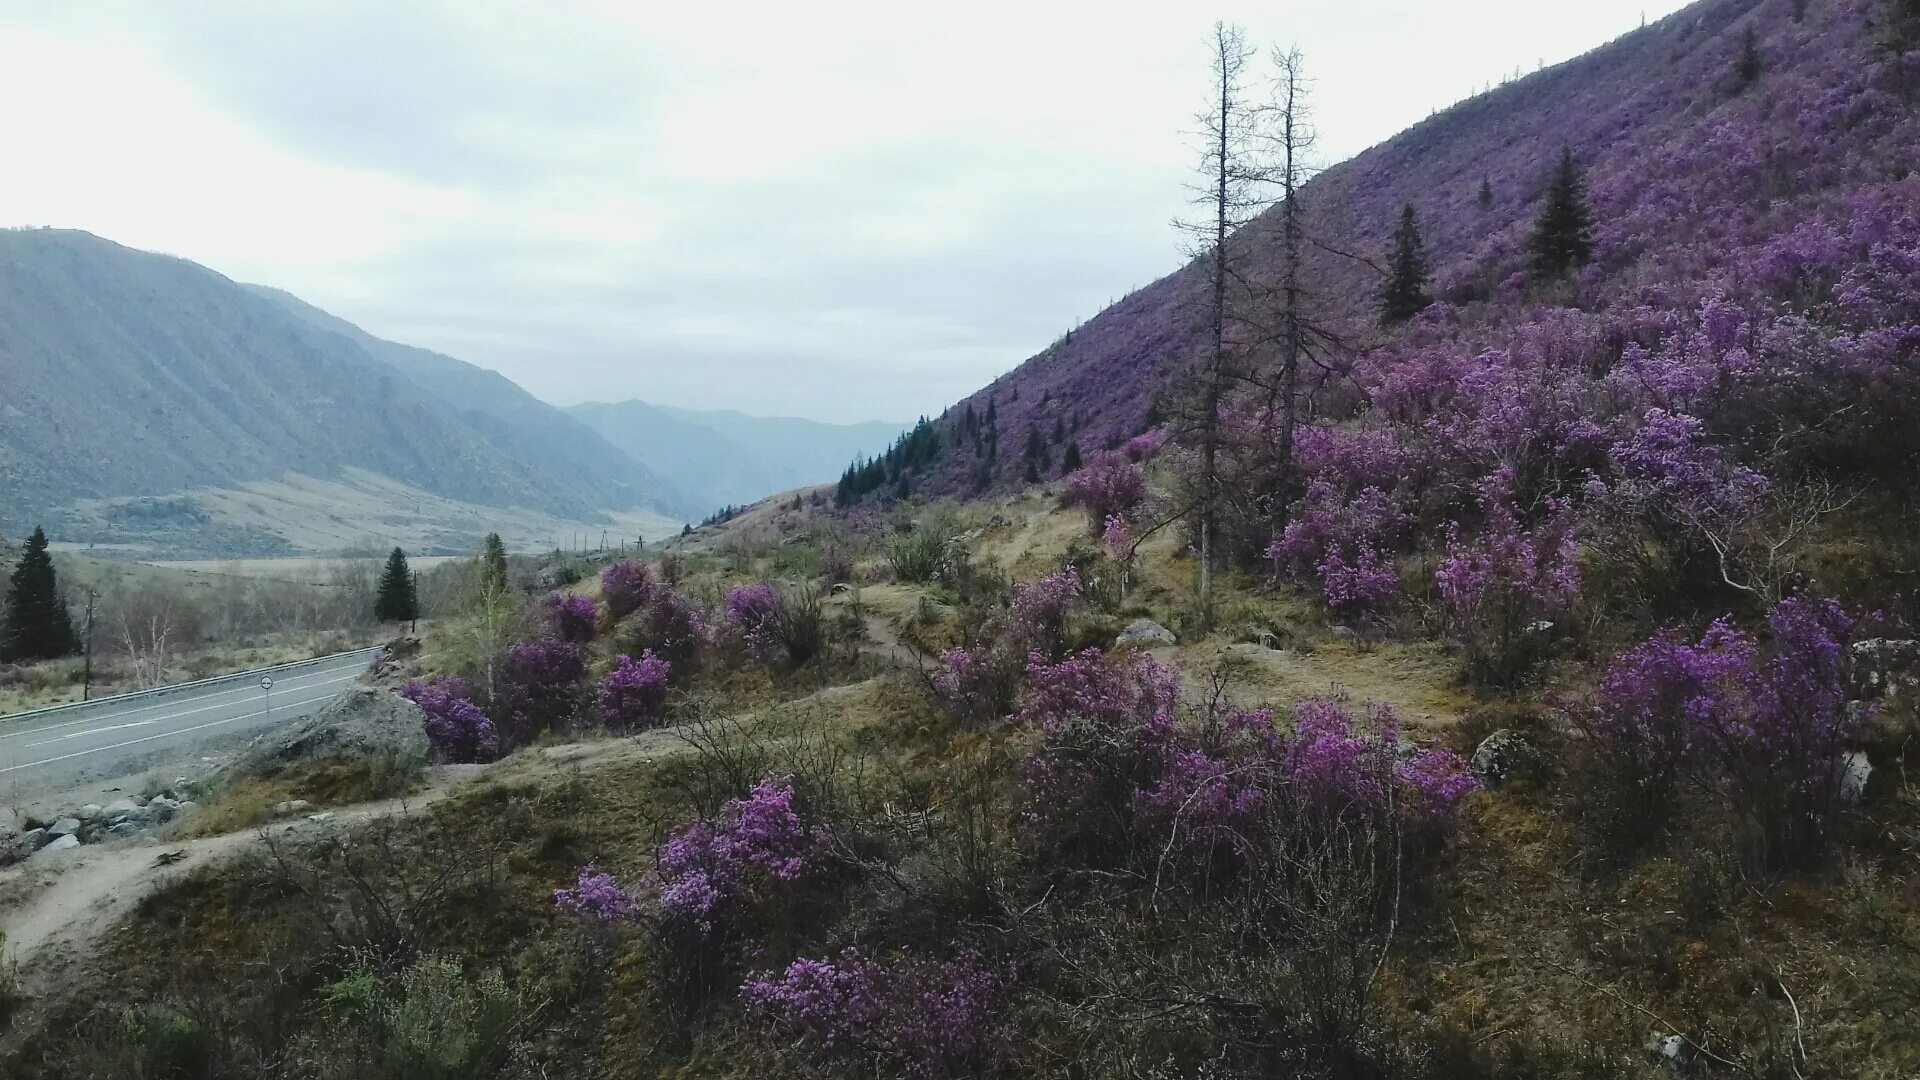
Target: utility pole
413, 620
86, 669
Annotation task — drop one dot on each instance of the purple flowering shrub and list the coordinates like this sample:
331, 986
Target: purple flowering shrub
902, 1018
670, 625
634, 693
757, 850
626, 586
981, 682
598, 896
456, 728
753, 614
572, 617
544, 686
1337, 766
1110, 485
1503, 591
1343, 545
1765, 729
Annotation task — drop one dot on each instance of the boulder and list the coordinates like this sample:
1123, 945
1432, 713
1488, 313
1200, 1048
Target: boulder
1886, 668
1145, 633
358, 724
1855, 771
62, 843
1669, 1052
89, 812
1503, 757
20, 845
66, 826
122, 808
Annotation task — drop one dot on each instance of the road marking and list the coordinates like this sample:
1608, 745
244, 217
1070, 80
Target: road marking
92, 731
161, 735
169, 716
195, 694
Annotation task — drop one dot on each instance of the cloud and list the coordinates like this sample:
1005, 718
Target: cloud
838, 210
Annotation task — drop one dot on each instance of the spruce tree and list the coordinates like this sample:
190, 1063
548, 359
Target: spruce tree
1407, 273
1748, 67
1070, 461
36, 626
1486, 194
1563, 236
396, 600
493, 564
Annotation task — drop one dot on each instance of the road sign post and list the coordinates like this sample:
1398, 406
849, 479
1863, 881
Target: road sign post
266, 684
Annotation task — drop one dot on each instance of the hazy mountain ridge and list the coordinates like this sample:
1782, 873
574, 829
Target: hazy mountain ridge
728, 456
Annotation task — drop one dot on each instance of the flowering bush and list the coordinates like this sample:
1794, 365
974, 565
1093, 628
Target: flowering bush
627, 586
1037, 619
543, 688
976, 684
597, 896
671, 626
1503, 591
912, 1020
1146, 444
573, 617
1344, 545
456, 728
753, 612
755, 847
1335, 767
1766, 730
1119, 693
1107, 486
634, 692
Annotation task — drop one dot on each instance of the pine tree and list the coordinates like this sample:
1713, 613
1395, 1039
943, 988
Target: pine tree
1748, 67
396, 601
1563, 236
1407, 273
1486, 194
1071, 460
36, 626
493, 565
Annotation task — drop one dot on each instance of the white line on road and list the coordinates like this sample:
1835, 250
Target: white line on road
161, 735
315, 667
304, 685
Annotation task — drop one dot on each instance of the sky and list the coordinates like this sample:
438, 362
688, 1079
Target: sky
832, 210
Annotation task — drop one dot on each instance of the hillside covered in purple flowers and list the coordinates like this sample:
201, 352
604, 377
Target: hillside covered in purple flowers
1751, 296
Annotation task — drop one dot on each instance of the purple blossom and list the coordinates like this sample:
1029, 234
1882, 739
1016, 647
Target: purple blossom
758, 844
456, 728
597, 896
627, 586
543, 685
753, 611
912, 1019
573, 617
1112, 693
634, 692
1503, 591
1109, 485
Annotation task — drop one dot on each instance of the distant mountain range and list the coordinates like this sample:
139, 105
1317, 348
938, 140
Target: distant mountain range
146, 400
730, 457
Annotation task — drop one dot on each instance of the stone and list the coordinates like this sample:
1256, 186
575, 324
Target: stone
1667, 1051
1503, 757
89, 812
1886, 668
292, 806
1344, 633
1145, 633
186, 807
63, 843
119, 808
66, 826
1855, 771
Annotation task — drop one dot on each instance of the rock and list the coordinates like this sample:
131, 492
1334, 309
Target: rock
1503, 757
121, 808
64, 843
124, 828
1855, 771
20, 845
186, 807
1670, 1052
1145, 633
1344, 633
1885, 668
89, 812
840, 587
292, 806
66, 826
358, 724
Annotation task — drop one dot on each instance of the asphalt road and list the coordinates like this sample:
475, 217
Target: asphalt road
119, 736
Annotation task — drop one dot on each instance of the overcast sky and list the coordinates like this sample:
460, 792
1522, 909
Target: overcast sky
845, 212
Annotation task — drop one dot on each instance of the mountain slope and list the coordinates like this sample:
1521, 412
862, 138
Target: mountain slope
730, 457
1691, 176
127, 373
514, 421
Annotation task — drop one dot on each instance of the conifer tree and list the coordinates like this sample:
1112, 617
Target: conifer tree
493, 564
1563, 236
1748, 67
1486, 194
396, 601
1070, 461
1407, 273
36, 626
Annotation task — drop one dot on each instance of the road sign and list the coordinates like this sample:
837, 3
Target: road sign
266, 682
